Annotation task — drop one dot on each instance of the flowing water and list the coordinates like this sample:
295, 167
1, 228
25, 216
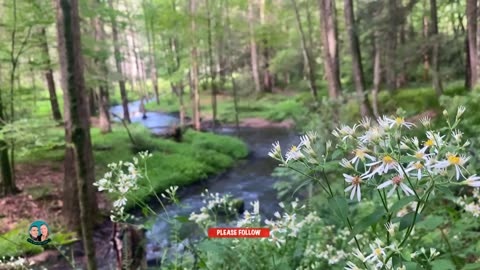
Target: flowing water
249, 179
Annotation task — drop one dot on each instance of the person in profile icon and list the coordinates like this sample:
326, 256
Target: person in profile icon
44, 231
34, 233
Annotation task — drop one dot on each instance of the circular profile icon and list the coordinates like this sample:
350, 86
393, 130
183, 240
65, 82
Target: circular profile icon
39, 233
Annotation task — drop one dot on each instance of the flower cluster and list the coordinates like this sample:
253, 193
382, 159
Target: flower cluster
382, 158
214, 204
471, 204
15, 263
122, 178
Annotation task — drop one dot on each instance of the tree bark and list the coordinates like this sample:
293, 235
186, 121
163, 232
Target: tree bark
194, 69
77, 130
377, 73
472, 54
118, 63
213, 73
151, 51
103, 95
436, 81
307, 53
253, 48
330, 46
57, 116
391, 45
267, 77
357, 67
426, 61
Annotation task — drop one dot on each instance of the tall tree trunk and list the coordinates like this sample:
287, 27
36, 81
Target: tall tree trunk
118, 63
436, 81
472, 54
391, 46
194, 70
357, 67
307, 53
57, 116
213, 74
77, 130
103, 95
377, 72
253, 48
267, 77
8, 185
151, 52
230, 65
426, 61
330, 46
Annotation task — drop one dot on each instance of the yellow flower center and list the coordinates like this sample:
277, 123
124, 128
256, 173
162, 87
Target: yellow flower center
399, 120
429, 142
360, 153
378, 251
387, 159
419, 155
454, 160
293, 149
418, 165
356, 180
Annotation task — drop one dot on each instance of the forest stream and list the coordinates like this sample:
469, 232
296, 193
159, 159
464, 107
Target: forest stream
249, 180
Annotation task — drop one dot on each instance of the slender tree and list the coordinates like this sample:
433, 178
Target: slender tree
213, 73
357, 67
118, 63
436, 80
472, 54
101, 61
77, 130
310, 65
194, 68
253, 47
57, 116
330, 46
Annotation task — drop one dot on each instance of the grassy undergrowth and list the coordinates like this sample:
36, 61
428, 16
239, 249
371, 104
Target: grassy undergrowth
274, 107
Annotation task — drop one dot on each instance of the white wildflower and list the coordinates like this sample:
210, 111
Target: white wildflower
396, 181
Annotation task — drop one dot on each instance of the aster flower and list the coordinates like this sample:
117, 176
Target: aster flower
294, 154
384, 165
372, 135
399, 122
345, 132
346, 164
351, 266
378, 252
276, 151
396, 181
418, 166
460, 111
354, 187
361, 155
473, 181
426, 121
457, 135
453, 160
434, 139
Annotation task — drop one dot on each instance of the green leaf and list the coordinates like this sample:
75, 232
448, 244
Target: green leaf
412, 265
406, 255
471, 266
431, 223
443, 264
368, 221
401, 203
407, 220
407, 159
182, 219
339, 206
336, 154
